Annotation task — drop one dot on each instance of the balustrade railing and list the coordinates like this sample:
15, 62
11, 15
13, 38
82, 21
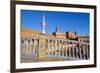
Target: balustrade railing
62, 48
67, 48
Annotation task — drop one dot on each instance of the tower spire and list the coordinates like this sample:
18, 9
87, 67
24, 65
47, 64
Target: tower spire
43, 23
57, 29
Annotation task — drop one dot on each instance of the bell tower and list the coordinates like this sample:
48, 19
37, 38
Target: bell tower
57, 29
43, 24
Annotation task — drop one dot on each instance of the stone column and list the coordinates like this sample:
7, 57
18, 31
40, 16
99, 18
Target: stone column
77, 51
34, 47
87, 49
29, 47
59, 47
26, 47
62, 48
73, 49
42, 48
80, 51
52, 48
84, 51
64, 51
66, 46
23, 47
69, 49
56, 48
48, 48
28, 41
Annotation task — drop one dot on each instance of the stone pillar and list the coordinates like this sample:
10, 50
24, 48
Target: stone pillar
62, 48
59, 47
87, 50
34, 47
30, 49
22, 46
52, 47
69, 48
64, 51
84, 51
69, 51
31, 45
73, 49
48, 47
80, 52
55, 47
77, 51
66, 46
42, 48
26, 46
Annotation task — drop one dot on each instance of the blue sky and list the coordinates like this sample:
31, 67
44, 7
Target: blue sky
66, 21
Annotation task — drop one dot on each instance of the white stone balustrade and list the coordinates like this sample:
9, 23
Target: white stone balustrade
63, 48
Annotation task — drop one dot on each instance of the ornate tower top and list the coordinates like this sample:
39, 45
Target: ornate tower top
43, 24
57, 29
43, 20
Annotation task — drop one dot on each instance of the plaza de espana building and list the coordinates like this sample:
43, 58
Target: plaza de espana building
57, 35
41, 44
